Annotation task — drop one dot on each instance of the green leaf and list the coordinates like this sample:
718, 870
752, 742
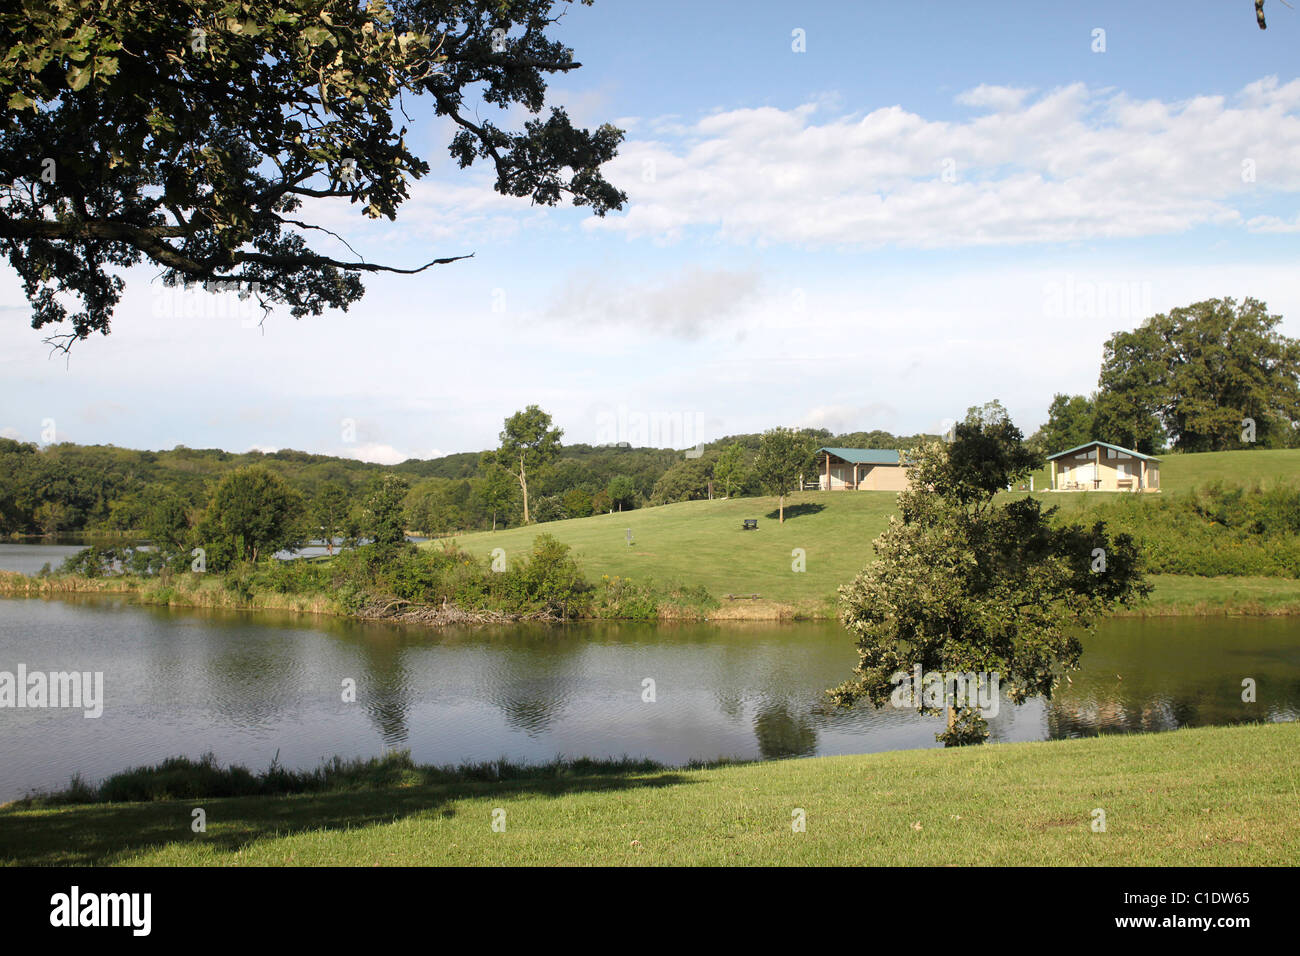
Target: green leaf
79, 76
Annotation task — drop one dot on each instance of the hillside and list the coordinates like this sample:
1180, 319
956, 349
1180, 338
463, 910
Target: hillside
702, 542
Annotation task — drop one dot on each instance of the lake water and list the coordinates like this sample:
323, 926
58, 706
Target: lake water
30, 558
250, 685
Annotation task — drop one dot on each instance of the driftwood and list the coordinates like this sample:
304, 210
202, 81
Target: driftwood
398, 611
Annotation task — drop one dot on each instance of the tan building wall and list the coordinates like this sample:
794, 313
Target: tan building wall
883, 478
1098, 468
870, 477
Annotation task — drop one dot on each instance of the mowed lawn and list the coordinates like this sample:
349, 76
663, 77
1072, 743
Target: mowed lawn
1210, 796
702, 542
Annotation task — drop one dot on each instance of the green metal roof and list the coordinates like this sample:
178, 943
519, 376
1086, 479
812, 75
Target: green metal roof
1103, 444
865, 456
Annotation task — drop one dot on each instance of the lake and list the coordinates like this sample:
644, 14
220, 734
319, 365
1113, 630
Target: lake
249, 686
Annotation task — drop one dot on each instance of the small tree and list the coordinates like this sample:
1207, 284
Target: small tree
255, 512
729, 469
965, 584
527, 444
783, 455
495, 487
622, 492
385, 512
1070, 423
329, 511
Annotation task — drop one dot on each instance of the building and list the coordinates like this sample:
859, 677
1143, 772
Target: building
861, 469
1100, 466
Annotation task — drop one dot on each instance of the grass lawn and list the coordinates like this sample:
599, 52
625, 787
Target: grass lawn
702, 542
1186, 594
1222, 796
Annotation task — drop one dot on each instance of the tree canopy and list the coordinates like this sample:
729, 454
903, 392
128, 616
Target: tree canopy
254, 512
528, 443
1198, 372
190, 133
783, 455
964, 584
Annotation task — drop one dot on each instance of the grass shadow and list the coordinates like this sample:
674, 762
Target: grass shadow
104, 833
797, 511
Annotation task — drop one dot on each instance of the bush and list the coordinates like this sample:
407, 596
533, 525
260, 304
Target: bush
1212, 530
549, 579
624, 599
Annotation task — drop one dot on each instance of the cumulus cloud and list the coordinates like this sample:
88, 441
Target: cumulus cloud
1072, 163
375, 452
993, 97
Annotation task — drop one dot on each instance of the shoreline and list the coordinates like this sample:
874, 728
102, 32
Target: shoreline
182, 592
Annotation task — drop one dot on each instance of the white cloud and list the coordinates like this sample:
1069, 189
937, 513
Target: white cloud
846, 418
686, 304
997, 98
375, 452
1273, 224
1069, 164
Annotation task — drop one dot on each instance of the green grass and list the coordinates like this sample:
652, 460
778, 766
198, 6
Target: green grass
1185, 594
1209, 796
702, 542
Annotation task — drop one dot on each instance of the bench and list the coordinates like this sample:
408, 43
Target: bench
751, 524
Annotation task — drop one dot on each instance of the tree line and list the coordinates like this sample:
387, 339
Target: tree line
1211, 376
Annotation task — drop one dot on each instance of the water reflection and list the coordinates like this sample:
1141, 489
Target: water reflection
783, 734
248, 686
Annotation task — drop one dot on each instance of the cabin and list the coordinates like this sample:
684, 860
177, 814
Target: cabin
860, 469
1101, 466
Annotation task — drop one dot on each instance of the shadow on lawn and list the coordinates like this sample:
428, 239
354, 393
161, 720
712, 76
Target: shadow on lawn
101, 833
797, 511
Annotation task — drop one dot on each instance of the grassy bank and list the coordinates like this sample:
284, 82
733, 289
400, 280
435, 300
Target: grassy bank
1210, 796
1174, 595
180, 590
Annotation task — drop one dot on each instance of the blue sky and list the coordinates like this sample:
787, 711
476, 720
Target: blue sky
933, 205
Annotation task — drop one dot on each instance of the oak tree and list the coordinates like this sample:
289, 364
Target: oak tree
201, 136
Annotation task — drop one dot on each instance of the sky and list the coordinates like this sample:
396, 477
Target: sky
851, 216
